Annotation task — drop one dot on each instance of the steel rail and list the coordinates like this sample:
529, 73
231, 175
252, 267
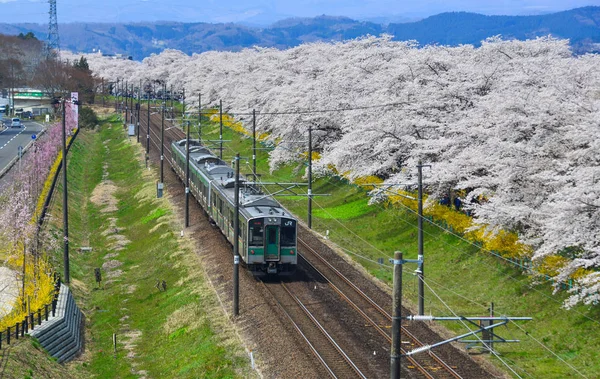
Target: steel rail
320, 328
378, 308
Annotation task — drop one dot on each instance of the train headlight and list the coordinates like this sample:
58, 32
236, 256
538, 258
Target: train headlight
292, 252
252, 252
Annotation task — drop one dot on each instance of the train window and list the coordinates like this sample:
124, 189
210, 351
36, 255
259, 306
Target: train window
272, 236
256, 232
256, 236
288, 233
231, 218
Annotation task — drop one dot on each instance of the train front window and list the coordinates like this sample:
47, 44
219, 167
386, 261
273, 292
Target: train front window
256, 233
272, 236
288, 233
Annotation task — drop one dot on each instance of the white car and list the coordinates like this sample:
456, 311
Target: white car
15, 123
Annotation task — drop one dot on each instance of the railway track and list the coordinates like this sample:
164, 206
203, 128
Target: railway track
334, 360
428, 364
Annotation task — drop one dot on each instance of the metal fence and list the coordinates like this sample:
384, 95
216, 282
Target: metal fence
29, 322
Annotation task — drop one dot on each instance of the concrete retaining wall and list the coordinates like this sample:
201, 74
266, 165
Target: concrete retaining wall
61, 334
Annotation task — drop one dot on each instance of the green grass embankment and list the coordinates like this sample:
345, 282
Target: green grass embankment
180, 332
461, 279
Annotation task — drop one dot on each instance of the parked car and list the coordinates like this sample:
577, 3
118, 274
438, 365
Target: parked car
2, 108
27, 115
15, 123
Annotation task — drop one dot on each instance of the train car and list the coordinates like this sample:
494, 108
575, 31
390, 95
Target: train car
267, 231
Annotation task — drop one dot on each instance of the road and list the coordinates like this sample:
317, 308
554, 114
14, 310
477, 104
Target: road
12, 138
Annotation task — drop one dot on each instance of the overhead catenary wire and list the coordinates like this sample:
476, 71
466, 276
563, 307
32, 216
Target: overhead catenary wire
548, 349
469, 329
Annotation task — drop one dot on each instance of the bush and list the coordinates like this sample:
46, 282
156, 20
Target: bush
87, 117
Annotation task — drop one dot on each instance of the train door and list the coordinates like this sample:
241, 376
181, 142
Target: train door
272, 243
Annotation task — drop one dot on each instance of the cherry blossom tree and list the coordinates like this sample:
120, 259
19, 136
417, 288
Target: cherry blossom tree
511, 122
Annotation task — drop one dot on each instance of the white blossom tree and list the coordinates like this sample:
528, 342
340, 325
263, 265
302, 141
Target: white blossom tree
515, 121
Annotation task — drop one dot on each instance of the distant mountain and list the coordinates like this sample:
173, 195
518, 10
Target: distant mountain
581, 26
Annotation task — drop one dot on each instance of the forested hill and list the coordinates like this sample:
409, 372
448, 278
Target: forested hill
581, 26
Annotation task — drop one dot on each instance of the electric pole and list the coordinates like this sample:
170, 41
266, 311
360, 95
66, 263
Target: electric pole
65, 199
254, 143
236, 233
310, 177
187, 177
221, 129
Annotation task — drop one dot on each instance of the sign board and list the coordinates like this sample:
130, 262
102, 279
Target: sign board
131, 129
33, 136
47, 118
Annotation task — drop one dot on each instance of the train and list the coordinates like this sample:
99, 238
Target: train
267, 231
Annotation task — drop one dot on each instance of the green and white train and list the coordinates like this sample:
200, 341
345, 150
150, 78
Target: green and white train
267, 231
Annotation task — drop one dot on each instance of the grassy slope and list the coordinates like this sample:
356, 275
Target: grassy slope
163, 334
27, 360
465, 278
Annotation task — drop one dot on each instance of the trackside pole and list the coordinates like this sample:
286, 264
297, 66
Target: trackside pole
187, 176
395, 353
236, 235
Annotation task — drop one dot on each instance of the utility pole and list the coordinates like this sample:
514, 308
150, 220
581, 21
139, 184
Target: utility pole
116, 88
200, 118
102, 92
162, 143
254, 143
131, 104
187, 177
221, 129
137, 118
148, 134
236, 233
421, 268
310, 176
172, 102
65, 199
126, 101
420, 271
396, 353
183, 104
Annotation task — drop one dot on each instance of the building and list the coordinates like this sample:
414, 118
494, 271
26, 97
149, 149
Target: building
28, 100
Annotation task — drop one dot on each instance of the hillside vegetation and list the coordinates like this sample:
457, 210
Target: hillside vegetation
153, 295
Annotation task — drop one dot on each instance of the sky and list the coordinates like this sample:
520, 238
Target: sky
265, 12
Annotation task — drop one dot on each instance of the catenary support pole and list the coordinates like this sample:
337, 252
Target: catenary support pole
310, 177
221, 129
395, 352
183, 104
199, 118
67, 278
126, 101
187, 177
148, 133
115, 88
131, 104
102, 92
421, 268
139, 105
236, 233
254, 143
162, 142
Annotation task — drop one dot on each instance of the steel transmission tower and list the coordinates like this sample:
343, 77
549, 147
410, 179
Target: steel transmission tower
53, 45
